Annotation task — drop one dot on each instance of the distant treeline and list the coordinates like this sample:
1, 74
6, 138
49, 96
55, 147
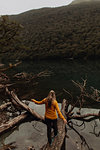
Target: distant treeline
71, 31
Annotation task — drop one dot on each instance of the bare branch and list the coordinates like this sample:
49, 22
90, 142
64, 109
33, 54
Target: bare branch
24, 106
4, 106
12, 123
10, 66
81, 137
68, 93
9, 146
94, 130
85, 116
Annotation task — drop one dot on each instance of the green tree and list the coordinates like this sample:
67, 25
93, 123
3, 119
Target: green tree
9, 34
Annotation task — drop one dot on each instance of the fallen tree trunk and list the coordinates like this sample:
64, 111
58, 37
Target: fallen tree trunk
24, 106
9, 146
4, 106
18, 103
13, 122
58, 141
10, 66
85, 116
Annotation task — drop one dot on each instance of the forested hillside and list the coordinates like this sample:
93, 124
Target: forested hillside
82, 1
71, 31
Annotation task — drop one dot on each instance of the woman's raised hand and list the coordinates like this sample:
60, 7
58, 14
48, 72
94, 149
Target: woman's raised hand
32, 100
65, 121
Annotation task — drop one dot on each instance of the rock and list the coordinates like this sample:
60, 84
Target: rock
7, 100
9, 114
15, 114
9, 109
25, 102
31, 148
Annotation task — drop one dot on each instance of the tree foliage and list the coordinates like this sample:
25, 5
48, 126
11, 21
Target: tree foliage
9, 34
71, 31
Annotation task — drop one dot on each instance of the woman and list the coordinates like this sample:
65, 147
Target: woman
51, 106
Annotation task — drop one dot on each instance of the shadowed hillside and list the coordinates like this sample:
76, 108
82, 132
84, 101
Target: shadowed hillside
82, 1
72, 31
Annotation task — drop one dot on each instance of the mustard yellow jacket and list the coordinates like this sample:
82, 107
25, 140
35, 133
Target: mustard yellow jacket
50, 113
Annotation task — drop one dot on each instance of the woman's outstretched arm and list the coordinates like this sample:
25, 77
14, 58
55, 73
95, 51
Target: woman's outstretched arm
39, 102
59, 113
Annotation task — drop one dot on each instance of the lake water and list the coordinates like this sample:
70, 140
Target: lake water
63, 72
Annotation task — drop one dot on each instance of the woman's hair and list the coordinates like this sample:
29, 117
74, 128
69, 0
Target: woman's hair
51, 96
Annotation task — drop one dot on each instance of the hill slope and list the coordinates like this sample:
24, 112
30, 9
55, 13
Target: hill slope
82, 1
70, 31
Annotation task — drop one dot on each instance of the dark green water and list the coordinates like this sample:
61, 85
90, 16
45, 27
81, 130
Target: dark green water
63, 72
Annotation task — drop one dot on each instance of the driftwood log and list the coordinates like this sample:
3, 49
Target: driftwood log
80, 117
9, 67
24, 106
4, 106
9, 146
18, 119
8, 125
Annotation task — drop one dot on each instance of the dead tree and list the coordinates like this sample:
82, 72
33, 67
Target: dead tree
18, 103
4, 106
81, 99
9, 67
9, 146
10, 124
23, 106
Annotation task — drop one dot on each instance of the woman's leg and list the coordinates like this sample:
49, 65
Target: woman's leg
48, 123
55, 127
